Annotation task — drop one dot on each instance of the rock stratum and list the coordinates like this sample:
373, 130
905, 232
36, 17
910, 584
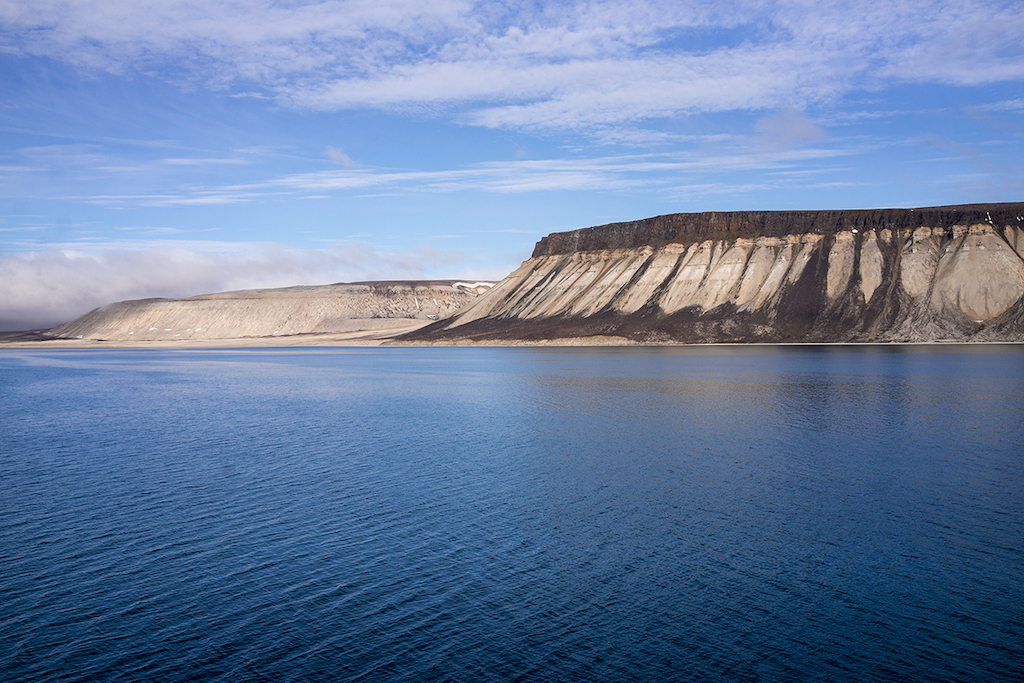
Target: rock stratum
364, 311
952, 273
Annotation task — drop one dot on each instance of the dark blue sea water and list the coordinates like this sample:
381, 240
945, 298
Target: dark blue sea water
474, 514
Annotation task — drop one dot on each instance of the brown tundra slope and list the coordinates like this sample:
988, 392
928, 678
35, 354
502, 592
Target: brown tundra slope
908, 275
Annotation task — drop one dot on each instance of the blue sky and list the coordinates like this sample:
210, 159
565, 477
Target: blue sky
178, 147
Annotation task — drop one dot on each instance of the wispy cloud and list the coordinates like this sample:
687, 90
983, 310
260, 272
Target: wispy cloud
610, 173
579, 65
193, 198
188, 161
1005, 105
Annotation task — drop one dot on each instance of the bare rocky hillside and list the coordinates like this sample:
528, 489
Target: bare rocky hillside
367, 309
941, 273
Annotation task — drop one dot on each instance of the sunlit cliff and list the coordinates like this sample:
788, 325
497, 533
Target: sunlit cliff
940, 273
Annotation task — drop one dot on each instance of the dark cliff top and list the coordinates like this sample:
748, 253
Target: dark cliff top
694, 227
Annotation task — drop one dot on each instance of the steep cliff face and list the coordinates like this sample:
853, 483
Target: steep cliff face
944, 273
368, 309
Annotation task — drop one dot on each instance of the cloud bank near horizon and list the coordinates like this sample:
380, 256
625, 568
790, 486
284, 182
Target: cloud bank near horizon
45, 288
583, 65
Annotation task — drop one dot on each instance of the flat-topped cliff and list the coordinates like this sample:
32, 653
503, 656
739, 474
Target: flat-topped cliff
938, 273
370, 310
687, 228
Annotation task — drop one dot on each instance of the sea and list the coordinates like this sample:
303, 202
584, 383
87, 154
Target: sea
716, 513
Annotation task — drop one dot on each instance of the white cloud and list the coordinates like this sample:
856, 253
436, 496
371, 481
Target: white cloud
46, 288
572, 65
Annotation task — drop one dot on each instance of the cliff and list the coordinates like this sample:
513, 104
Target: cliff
362, 310
940, 273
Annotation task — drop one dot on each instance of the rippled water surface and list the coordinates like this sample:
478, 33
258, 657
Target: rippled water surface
751, 513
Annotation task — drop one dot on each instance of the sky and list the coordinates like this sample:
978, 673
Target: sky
167, 148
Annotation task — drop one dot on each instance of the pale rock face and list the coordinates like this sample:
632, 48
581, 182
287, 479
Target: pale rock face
840, 265
542, 285
982, 277
726, 275
918, 262
977, 272
758, 268
662, 264
776, 276
682, 291
576, 279
623, 267
870, 266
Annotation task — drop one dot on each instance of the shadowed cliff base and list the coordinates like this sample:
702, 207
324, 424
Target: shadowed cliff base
890, 275
28, 336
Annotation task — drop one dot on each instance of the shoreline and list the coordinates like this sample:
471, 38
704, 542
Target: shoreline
11, 341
